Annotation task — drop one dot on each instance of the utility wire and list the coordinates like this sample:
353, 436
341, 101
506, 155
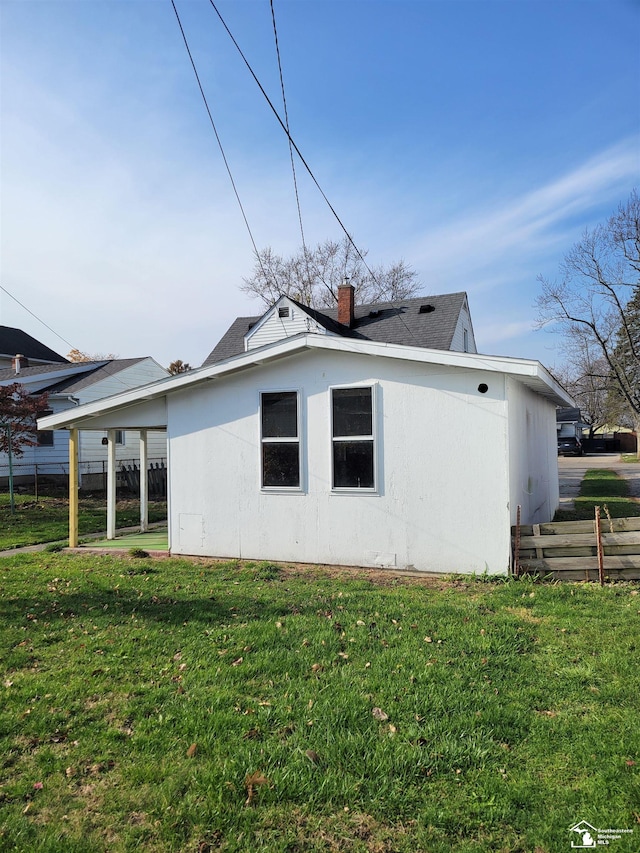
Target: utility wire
293, 166
286, 119
291, 140
304, 162
213, 125
69, 344
4, 290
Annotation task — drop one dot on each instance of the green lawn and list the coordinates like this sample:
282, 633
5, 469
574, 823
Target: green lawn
47, 519
175, 705
606, 489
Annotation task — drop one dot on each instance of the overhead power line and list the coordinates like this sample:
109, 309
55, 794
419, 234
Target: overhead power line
292, 144
215, 130
291, 140
286, 118
4, 290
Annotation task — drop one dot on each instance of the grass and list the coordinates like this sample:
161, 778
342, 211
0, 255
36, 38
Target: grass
629, 457
603, 488
47, 519
174, 705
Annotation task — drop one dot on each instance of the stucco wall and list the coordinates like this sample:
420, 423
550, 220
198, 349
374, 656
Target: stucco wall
442, 499
533, 455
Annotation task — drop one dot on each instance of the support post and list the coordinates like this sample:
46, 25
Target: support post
111, 484
73, 488
144, 483
12, 499
600, 549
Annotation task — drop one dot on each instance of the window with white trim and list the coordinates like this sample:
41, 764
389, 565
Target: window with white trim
280, 439
353, 445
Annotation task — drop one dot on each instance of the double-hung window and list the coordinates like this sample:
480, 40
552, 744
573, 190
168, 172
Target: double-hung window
280, 439
352, 437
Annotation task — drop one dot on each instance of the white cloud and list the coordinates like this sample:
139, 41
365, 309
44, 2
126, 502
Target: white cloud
534, 223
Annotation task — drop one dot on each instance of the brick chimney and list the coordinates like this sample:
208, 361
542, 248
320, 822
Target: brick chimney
18, 362
345, 303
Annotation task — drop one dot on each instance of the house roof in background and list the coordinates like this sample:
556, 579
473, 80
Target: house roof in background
400, 322
16, 342
100, 371
68, 377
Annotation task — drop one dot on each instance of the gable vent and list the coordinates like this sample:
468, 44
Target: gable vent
426, 309
283, 311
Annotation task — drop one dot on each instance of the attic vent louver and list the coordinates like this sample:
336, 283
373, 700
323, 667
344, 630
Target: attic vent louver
426, 309
284, 311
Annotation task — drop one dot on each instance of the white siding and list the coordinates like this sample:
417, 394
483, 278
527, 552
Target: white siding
273, 327
458, 340
141, 373
442, 500
533, 455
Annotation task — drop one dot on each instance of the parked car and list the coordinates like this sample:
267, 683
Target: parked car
569, 446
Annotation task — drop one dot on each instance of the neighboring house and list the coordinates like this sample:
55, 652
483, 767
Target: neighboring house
327, 447
14, 343
436, 322
71, 384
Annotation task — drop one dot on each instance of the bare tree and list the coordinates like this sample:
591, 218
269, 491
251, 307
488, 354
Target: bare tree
586, 378
596, 307
312, 276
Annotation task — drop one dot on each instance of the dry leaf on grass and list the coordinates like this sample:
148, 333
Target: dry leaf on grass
379, 715
252, 781
192, 750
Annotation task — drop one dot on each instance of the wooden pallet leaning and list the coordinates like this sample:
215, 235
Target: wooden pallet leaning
568, 550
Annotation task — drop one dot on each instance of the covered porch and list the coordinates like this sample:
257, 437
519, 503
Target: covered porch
112, 416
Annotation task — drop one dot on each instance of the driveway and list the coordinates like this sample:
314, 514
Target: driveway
571, 470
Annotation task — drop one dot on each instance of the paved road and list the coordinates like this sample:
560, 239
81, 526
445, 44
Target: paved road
571, 470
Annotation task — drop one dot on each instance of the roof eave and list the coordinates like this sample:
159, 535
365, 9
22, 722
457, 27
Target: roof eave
531, 373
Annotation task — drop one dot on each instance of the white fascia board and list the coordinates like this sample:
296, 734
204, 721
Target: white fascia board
531, 373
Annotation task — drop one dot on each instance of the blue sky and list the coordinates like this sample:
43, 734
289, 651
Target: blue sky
475, 140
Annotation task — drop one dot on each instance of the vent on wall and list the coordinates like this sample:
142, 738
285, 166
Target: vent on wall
283, 311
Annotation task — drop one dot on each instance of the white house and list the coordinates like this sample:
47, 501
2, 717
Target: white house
325, 446
69, 385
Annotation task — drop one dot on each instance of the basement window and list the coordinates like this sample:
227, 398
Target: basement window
353, 451
280, 439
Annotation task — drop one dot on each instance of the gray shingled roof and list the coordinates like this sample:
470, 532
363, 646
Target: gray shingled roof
100, 372
398, 322
86, 373
16, 342
8, 373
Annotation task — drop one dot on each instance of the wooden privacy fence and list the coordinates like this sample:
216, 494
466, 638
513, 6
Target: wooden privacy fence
156, 474
602, 549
